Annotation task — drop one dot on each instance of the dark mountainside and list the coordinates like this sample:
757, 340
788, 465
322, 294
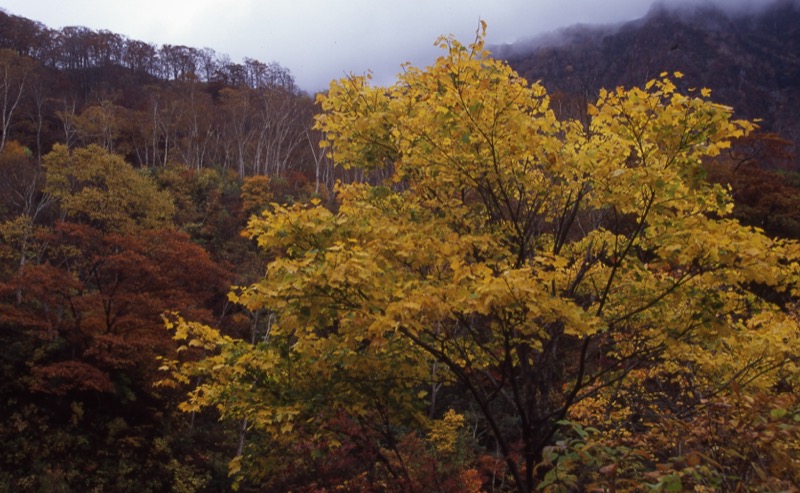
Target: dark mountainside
750, 61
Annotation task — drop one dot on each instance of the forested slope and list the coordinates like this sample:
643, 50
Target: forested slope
750, 60
464, 282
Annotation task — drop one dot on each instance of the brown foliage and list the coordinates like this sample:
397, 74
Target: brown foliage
103, 295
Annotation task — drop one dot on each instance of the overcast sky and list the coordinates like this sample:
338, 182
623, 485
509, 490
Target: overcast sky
319, 40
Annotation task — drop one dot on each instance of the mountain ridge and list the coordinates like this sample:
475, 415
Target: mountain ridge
749, 59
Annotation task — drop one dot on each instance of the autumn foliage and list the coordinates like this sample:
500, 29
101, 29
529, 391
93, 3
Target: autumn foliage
540, 304
494, 297
81, 306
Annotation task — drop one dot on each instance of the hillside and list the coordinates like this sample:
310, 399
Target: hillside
211, 281
750, 60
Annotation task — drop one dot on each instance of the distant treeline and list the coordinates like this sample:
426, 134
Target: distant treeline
153, 105
81, 48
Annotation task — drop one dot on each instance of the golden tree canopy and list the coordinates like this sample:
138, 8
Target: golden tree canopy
525, 260
97, 186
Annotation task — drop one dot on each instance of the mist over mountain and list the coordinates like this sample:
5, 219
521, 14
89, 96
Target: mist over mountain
748, 54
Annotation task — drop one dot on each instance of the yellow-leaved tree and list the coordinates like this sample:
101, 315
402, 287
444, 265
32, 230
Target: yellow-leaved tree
98, 187
515, 265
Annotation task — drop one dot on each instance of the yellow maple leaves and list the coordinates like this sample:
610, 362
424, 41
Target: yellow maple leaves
504, 244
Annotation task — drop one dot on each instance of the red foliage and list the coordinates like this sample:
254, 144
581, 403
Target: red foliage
65, 376
764, 196
99, 298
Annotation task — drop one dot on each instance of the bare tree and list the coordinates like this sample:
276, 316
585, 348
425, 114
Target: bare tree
14, 72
